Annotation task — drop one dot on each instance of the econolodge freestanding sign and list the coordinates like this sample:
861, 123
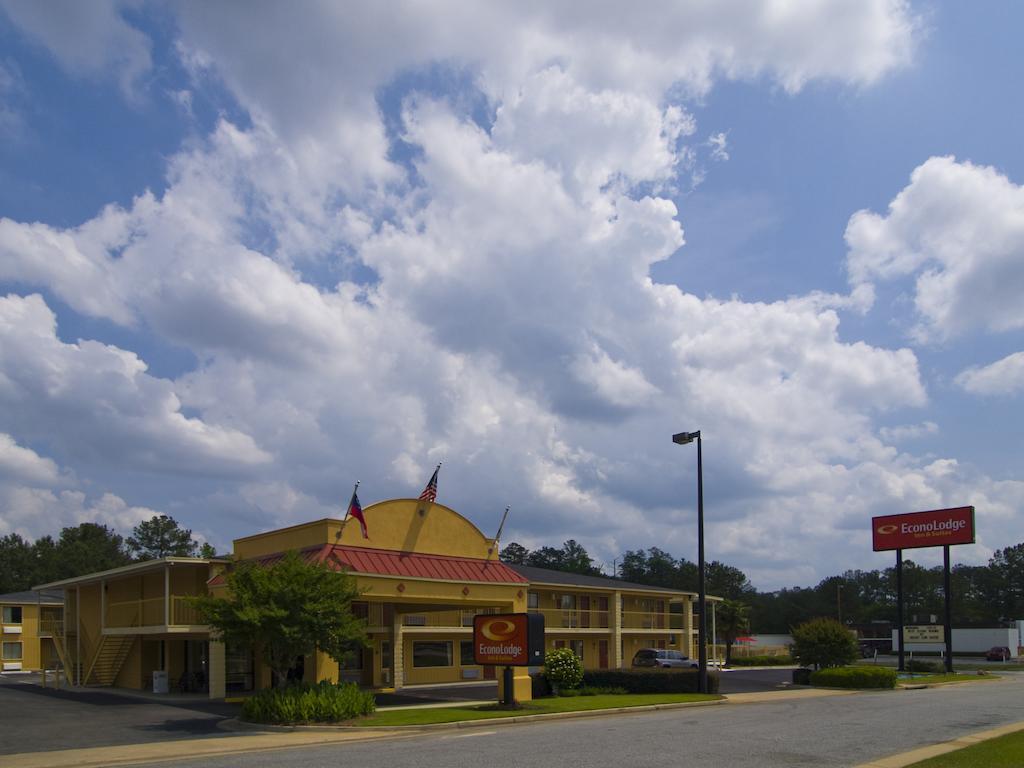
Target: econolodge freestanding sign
508, 640
934, 528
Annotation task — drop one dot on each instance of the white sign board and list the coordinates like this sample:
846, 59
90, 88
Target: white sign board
923, 633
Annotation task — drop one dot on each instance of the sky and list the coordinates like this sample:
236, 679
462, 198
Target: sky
251, 253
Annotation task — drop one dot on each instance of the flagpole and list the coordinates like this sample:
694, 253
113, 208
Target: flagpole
497, 536
350, 501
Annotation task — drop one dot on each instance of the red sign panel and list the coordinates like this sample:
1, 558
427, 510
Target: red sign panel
501, 639
923, 529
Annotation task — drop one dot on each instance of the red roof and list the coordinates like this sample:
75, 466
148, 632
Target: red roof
411, 565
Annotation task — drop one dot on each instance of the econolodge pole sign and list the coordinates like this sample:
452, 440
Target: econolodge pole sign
508, 640
939, 527
934, 528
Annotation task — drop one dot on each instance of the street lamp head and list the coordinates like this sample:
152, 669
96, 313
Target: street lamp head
684, 438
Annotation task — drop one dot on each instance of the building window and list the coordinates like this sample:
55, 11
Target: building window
238, 668
577, 648
432, 654
12, 614
466, 653
532, 601
12, 651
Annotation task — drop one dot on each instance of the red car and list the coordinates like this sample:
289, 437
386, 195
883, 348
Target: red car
998, 653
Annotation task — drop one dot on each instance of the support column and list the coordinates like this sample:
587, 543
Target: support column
398, 652
218, 670
688, 626
103, 605
167, 595
714, 632
615, 652
78, 635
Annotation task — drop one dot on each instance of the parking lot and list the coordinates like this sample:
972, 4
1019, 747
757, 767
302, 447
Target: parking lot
37, 719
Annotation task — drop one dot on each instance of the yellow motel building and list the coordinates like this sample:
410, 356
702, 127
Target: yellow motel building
29, 622
423, 573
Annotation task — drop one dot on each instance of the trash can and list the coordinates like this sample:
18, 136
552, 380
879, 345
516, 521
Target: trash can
802, 676
160, 681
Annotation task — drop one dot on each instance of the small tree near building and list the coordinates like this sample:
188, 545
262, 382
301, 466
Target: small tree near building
732, 621
823, 643
286, 610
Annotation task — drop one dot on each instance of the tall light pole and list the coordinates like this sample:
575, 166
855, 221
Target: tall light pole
684, 438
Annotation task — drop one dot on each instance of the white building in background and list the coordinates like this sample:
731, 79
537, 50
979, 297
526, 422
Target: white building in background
973, 640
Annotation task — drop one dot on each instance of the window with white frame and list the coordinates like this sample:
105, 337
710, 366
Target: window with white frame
11, 651
432, 654
12, 614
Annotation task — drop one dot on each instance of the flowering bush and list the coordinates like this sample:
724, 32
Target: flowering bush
563, 668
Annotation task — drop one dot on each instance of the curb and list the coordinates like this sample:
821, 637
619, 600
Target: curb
904, 759
234, 724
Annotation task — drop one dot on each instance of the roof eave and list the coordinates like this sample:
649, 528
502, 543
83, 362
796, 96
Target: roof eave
128, 570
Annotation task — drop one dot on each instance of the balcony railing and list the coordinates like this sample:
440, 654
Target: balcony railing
150, 613
651, 620
572, 618
378, 615
51, 627
446, 619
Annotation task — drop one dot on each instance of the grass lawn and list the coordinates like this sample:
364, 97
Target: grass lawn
963, 677
1004, 752
535, 707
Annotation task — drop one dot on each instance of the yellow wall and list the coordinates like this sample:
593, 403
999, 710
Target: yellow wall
418, 675
33, 655
404, 525
301, 536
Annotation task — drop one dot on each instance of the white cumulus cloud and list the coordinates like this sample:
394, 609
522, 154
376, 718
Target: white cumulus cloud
1003, 377
959, 229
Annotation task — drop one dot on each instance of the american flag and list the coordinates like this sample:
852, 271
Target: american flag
355, 509
430, 492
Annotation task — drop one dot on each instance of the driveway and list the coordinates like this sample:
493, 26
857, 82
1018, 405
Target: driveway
39, 719
744, 680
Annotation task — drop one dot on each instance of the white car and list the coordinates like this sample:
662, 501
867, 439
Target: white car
659, 657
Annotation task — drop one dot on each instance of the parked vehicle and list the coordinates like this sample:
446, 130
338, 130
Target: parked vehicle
998, 653
659, 657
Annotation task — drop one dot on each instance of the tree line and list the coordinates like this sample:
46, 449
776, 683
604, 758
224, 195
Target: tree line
91, 547
982, 594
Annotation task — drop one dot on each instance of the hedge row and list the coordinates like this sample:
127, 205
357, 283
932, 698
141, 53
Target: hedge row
633, 681
307, 703
855, 677
761, 661
648, 680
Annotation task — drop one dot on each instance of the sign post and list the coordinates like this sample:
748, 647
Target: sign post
937, 527
509, 640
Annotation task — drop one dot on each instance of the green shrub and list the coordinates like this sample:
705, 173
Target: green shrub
563, 668
540, 686
823, 643
648, 680
855, 677
917, 665
761, 661
324, 702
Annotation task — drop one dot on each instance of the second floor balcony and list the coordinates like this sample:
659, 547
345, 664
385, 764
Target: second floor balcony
152, 612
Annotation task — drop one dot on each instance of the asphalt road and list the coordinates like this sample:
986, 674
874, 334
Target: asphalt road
830, 732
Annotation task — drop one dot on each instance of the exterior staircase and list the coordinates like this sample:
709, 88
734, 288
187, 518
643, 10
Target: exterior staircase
69, 665
110, 656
